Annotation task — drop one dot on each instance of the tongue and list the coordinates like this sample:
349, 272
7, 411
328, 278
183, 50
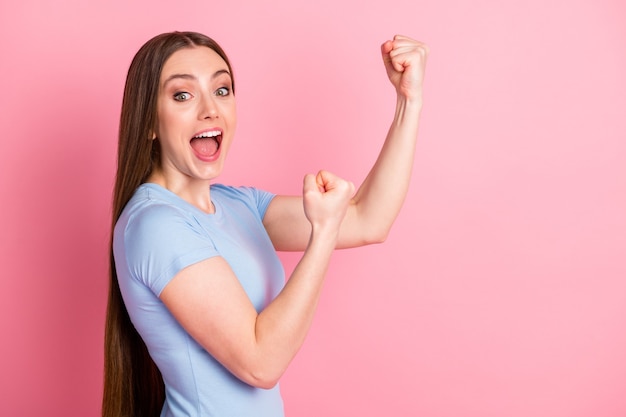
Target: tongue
205, 146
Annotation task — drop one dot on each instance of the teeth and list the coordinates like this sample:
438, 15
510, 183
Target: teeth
208, 134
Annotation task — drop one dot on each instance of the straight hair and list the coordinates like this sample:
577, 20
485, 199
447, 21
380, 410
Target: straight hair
133, 385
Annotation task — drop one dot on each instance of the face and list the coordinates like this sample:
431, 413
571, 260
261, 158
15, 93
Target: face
196, 116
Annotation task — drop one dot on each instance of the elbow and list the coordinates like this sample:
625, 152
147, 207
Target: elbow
365, 238
263, 377
263, 381
381, 237
376, 236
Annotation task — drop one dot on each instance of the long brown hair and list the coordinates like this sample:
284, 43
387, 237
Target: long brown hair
133, 386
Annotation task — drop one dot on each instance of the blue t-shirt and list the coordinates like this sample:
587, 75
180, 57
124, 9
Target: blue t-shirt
159, 234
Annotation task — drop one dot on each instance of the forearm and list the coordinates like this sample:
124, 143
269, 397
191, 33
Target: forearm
381, 195
282, 326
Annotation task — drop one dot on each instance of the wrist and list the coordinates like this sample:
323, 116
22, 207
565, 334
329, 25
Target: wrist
408, 110
409, 103
324, 235
324, 230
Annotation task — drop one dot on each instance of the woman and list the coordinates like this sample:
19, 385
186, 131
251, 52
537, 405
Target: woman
200, 321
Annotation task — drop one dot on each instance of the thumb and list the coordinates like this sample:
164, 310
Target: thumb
392, 65
385, 49
310, 183
313, 184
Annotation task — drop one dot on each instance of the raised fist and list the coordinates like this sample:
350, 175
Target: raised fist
405, 62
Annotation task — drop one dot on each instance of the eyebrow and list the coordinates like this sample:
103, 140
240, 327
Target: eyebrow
193, 77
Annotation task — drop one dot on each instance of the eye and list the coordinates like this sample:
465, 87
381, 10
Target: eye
222, 91
182, 96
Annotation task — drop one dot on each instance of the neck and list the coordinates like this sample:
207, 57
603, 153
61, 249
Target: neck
196, 192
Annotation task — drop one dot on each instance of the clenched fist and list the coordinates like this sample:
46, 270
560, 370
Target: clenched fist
405, 62
326, 199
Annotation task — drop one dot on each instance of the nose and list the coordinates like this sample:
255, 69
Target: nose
208, 107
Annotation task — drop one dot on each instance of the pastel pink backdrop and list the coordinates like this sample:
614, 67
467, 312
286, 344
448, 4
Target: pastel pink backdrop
501, 291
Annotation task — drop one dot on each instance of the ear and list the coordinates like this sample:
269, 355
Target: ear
154, 136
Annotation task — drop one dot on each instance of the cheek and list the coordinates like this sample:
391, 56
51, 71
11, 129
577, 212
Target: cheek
161, 121
167, 121
230, 111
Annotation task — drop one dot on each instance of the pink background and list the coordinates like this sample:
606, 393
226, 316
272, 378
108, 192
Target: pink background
502, 288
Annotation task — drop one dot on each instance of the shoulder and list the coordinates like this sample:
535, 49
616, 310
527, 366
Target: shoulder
150, 207
238, 192
156, 236
153, 221
252, 197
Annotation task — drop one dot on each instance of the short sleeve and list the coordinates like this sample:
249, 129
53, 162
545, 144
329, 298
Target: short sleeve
159, 241
262, 200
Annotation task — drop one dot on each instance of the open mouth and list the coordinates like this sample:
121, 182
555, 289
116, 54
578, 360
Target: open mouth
207, 143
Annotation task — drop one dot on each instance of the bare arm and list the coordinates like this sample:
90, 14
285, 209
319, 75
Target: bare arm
375, 206
258, 347
218, 314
